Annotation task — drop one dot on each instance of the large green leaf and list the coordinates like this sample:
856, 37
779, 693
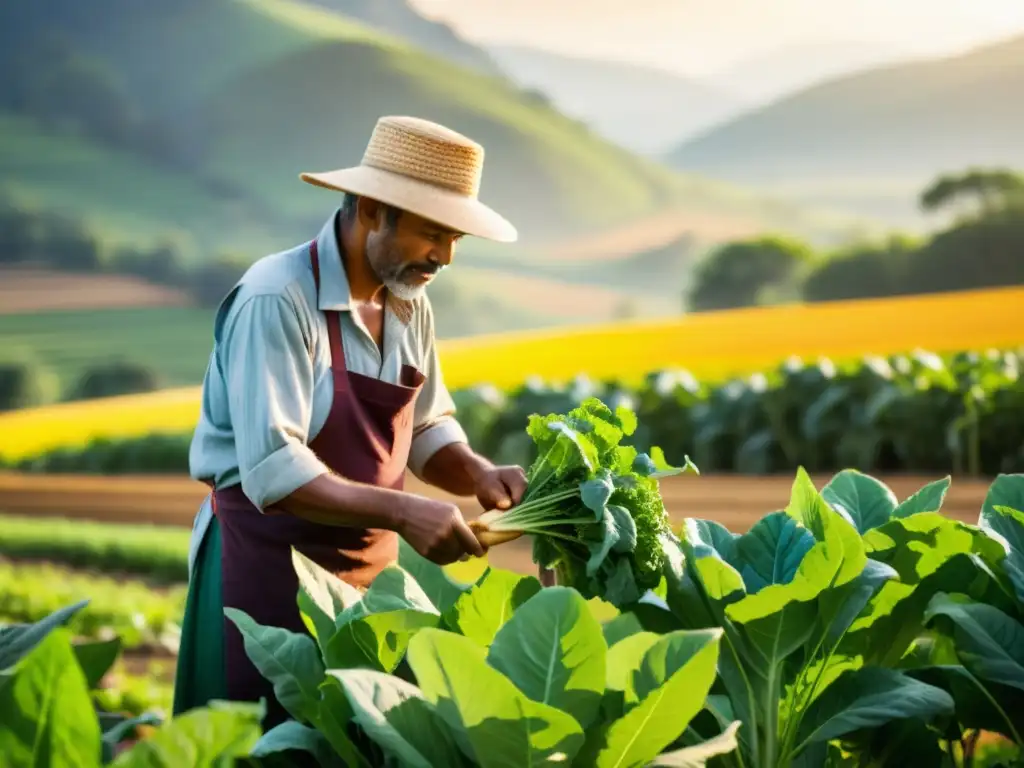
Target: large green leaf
287, 659
928, 498
439, 588
1005, 491
864, 501
334, 718
322, 595
1002, 513
988, 642
497, 725
624, 659
1011, 524
869, 697
708, 537
896, 743
697, 756
554, 652
18, 640
982, 705
836, 558
399, 719
392, 590
96, 658
931, 554
771, 551
672, 683
46, 715
482, 610
917, 545
841, 541
292, 735
209, 737
839, 607
620, 627
377, 641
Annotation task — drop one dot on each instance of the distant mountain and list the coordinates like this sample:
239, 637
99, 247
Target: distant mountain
767, 76
907, 121
400, 19
645, 109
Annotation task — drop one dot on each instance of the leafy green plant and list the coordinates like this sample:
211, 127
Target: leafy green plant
49, 718
591, 504
495, 673
980, 652
785, 595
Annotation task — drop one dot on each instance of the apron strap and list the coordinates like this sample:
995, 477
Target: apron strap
333, 319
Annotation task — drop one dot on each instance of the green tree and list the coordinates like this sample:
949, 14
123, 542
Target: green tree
984, 252
738, 274
116, 378
989, 190
862, 271
25, 382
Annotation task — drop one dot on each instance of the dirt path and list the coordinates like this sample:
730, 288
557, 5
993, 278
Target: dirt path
735, 501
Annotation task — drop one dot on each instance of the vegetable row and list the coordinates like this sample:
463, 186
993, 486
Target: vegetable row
919, 413
138, 614
851, 628
158, 553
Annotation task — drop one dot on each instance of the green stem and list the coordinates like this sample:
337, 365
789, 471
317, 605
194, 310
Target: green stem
995, 704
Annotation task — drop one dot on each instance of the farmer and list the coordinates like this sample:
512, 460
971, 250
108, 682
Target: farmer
323, 388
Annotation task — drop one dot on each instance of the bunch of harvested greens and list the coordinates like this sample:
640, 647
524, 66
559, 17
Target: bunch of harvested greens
592, 504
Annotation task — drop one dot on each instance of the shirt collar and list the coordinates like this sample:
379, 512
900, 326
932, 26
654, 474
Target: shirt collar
335, 295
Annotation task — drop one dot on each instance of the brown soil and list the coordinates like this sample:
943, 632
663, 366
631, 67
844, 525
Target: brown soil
41, 290
735, 501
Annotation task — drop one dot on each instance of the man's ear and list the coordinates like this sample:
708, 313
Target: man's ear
370, 213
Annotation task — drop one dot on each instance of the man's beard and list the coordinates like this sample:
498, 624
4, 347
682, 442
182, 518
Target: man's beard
393, 275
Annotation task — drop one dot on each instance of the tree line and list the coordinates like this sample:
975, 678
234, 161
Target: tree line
982, 248
32, 237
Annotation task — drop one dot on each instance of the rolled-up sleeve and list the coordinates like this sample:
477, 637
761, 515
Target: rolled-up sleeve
435, 423
269, 377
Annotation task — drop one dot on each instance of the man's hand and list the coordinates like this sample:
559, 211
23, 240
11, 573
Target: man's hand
437, 530
500, 487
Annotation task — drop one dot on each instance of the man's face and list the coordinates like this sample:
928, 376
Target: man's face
407, 254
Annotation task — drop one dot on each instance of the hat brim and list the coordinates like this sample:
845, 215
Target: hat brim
450, 209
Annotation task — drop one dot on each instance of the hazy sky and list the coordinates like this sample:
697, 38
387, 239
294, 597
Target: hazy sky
699, 36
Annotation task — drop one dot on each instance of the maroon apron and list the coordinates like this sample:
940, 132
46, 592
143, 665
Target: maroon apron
365, 438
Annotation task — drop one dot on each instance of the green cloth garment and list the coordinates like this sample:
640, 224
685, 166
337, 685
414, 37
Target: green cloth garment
200, 676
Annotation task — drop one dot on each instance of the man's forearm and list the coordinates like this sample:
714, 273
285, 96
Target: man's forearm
456, 469
333, 500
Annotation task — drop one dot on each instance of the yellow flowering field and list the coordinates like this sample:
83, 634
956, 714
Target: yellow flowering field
711, 345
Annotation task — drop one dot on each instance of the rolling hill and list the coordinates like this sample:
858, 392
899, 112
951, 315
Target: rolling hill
890, 127
763, 77
399, 18
645, 109
197, 115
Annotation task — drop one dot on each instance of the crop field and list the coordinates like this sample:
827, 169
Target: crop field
174, 341
711, 346
39, 290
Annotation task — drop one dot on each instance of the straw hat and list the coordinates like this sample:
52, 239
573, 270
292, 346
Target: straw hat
426, 169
